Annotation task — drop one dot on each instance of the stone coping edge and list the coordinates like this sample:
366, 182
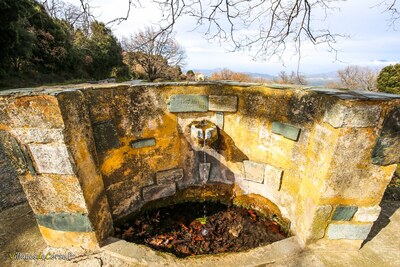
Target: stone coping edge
142, 255
344, 94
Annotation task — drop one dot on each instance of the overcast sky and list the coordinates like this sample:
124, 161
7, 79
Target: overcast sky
373, 42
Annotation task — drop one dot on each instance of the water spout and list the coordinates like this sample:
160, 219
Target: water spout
204, 132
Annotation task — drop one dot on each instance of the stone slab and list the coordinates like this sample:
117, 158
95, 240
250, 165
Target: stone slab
13, 152
204, 172
125, 197
68, 222
147, 142
158, 191
349, 231
220, 120
38, 135
51, 158
381, 95
54, 193
136, 255
64, 239
367, 214
105, 136
320, 221
286, 130
226, 103
169, 176
273, 177
10, 190
386, 150
344, 213
188, 103
28, 160
254, 171
358, 116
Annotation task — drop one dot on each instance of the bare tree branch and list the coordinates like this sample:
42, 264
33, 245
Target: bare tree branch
264, 27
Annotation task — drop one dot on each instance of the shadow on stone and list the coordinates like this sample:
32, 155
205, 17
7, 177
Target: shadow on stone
388, 208
227, 148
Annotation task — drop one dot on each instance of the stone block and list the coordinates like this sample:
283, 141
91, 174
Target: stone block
105, 136
344, 213
273, 177
367, 214
158, 191
220, 120
125, 197
226, 103
13, 152
254, 171
377, 95
288, 131
204, 172
351, 174
188, 103
38, 135
147, 142
386, 150
54, 193
35, 112
54, 238
169, 176
359, 116
320, 221
51, 158
67, 222
349, 231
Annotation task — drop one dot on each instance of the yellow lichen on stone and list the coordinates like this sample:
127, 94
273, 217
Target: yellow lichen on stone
54, 238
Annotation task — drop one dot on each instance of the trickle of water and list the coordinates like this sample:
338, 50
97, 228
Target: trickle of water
204, 159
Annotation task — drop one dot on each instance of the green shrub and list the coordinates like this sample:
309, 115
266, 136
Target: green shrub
389, 79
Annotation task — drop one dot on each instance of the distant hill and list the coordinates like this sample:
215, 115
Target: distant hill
322, 79
319, 79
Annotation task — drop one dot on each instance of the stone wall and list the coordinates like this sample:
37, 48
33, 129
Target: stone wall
93, 155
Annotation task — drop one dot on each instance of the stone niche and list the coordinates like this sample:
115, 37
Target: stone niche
318, 160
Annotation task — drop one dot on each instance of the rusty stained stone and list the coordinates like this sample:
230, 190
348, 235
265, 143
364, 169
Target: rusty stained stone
169, 176
320, 221
62, 239
40, 111
51, 158
225, 103
54, 193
